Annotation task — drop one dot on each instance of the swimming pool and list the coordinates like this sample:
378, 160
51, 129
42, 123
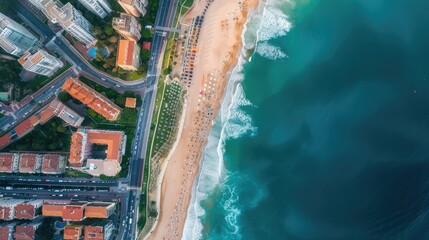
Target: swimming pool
93, 52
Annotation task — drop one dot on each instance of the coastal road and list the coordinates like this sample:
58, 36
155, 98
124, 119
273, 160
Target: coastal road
165, 18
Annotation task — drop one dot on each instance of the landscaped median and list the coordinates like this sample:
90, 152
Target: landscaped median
168, 106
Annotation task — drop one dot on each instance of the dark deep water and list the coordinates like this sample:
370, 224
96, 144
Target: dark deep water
341, 149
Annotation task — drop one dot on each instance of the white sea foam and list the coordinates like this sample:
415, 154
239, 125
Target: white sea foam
266, 50
274, 23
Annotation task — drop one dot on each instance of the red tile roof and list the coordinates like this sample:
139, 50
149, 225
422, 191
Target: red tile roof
76, 150
112, 139
5, 140
130, 102
23, 127
97, 210
27, 163
6, 161
74, 211
4, 232
5, 212
92, 99
25, 211
72, 232
46, 115
94, 233
50, 163
146, 45
24, 232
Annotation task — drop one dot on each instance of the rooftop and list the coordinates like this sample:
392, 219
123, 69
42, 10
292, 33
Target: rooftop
6, 162
53, 209
72, 232
24, 232
94, 233
130, 102
98, 210
27, 163
51, 163
5, 140
74, 211
23, 128
125, 52
92, 98
27, 210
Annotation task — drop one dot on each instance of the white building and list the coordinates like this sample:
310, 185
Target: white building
14, 38
134, 7
100, 8
40, 62
68, 17
127, 26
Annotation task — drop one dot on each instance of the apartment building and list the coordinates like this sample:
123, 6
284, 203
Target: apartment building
92, 99
41, 63
9, 162
14, 38
136, 8
28, 210
80, 151
26, 232
77, 210
8, 208
68, 17
99, 232
100, 8
99, 209
128, 56
6, 230
73, 232
127, 26
30, 163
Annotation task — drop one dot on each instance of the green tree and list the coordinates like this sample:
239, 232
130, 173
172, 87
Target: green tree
145, 55
96, 30
61, 129
108, 30
64, 96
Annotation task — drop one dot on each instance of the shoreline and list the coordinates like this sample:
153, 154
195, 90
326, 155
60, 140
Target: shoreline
183, 164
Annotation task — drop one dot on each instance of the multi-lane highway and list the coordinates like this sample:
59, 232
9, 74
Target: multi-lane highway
130, 198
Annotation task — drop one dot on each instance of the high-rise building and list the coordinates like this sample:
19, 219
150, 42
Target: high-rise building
134, 7
127, 26
100, 8
14, 38
128, 57
41, 62
68, 17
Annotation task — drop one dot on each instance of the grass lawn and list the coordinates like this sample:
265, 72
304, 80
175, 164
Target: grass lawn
135, 76
167, 120
77, 174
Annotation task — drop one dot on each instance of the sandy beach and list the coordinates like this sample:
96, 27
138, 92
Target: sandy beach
218, 45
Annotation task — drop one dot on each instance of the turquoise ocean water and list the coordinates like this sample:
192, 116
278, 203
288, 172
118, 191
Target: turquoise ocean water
324, 129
